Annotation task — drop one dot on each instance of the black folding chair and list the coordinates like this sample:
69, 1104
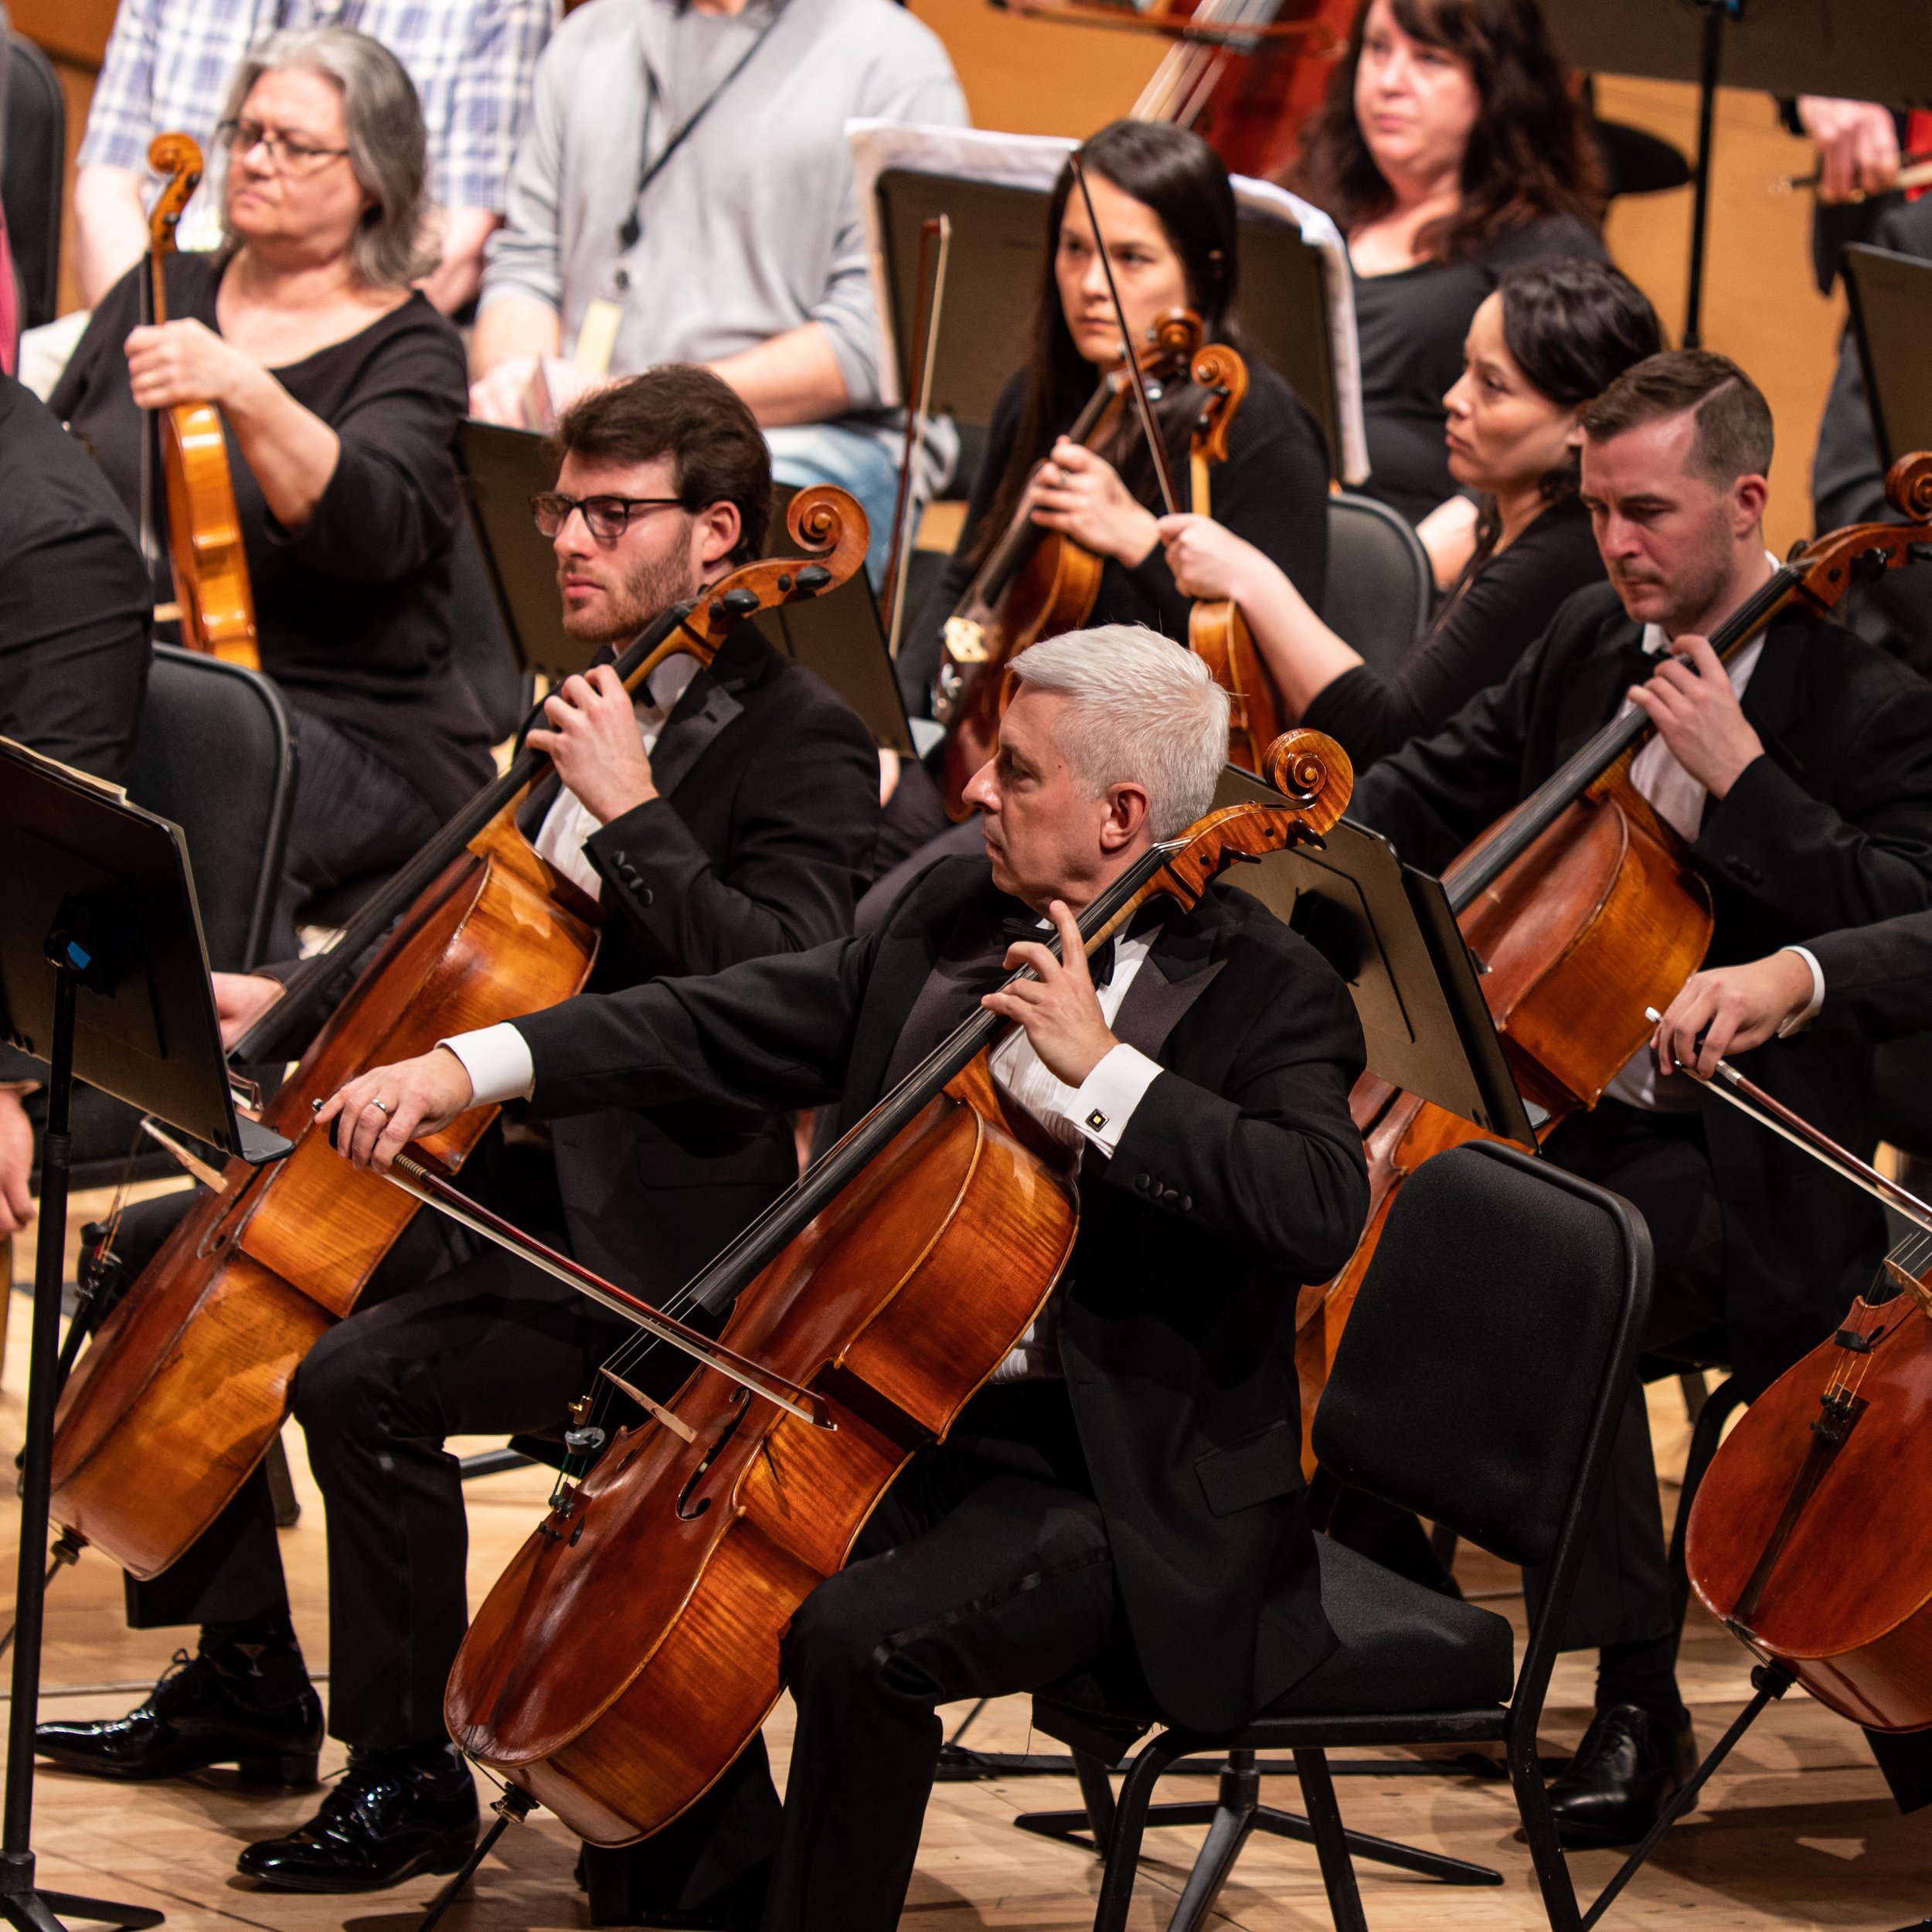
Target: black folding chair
1379, 584
1479, 1383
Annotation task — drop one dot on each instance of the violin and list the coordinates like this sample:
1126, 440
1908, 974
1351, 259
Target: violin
186, 1382
1581, 908
216, 601
1808, 1537
1217, 633
632, 1647
1036, 583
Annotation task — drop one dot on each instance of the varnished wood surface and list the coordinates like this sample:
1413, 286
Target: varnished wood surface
1798, 1832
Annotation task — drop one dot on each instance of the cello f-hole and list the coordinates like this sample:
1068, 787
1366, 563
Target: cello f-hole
741, 1401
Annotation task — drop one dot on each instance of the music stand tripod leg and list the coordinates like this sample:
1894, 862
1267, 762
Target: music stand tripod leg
22, 1904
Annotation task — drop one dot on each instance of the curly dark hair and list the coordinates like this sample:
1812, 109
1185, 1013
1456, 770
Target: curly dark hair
1530, 153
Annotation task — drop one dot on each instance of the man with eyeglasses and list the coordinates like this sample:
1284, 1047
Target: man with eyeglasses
167, 69
718, 816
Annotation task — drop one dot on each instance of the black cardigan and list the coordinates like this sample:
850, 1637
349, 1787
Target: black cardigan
354, 612
1495, 615
1273, 490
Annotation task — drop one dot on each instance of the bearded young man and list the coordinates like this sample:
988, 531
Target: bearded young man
1801, 783
718, 816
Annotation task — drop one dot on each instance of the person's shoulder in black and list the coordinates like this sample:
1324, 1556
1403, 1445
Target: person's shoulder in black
1878, 978
74, 601
1501, 608
1542, 238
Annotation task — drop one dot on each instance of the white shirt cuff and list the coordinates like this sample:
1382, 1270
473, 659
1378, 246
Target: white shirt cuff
1799, 1021
498, 1061
1105, 1102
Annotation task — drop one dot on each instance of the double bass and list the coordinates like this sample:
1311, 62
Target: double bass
1036, 583
216, 601
1581, 908
180, 1391
632, 1646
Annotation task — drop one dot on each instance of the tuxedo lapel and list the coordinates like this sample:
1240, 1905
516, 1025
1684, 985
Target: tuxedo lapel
1593, 694
704, 711
1180, 968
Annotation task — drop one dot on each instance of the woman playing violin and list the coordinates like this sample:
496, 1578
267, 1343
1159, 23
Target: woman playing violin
1447, 149
1549, 339
1166, 209
338, 385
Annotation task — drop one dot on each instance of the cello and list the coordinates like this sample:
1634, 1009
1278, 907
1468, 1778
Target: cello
1035, 583
186, 1382
1217, 633
214, 599
632, 1647
1575, 906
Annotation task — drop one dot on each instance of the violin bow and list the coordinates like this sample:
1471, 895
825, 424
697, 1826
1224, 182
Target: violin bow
1157, 448
936, 230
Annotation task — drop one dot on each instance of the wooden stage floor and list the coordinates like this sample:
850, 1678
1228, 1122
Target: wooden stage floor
1796, 1831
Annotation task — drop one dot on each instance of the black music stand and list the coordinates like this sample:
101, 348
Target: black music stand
839, 635
1855, 49
104, 975
1887, 293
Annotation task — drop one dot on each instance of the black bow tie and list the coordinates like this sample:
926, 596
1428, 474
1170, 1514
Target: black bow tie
1100, 962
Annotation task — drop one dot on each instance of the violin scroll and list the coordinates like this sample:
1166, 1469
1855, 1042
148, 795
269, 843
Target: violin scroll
1222, 373
177, 157
1309, 769
828, 527
1908, 486
1172, 341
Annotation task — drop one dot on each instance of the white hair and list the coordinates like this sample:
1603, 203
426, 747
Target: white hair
1140, 708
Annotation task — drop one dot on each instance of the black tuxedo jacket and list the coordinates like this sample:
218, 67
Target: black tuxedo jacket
1833, 827
1877, 979
759, 842
1239, 1177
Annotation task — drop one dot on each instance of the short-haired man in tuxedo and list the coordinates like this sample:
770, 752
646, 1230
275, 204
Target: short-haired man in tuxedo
717, 816
1129, 1484
1801, 785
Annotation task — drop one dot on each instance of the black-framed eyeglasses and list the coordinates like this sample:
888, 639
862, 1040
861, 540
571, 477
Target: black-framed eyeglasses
290, 157
606, 518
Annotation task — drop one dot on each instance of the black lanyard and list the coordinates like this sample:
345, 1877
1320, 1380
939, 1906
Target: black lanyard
647, 170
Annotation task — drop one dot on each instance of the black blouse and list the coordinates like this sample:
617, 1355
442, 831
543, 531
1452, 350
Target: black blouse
353, 612
1493, 616
1273, 490
1410, 327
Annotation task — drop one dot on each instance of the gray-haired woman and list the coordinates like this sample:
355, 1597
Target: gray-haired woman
339, 384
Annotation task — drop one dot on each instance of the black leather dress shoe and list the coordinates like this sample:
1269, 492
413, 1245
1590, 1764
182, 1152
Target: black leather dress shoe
198, 1714
388, 1819
1629, 1767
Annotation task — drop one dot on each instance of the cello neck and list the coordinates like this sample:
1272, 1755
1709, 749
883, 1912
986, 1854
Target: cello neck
286, 1026
1621, 736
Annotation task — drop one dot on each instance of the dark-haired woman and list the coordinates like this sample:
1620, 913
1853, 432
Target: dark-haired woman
1546, 341
340, 386
1166, 209
1448, 149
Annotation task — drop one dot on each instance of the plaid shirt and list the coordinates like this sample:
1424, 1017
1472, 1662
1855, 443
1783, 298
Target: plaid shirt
169, 63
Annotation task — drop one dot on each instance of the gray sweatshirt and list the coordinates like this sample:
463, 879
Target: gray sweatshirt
753, 226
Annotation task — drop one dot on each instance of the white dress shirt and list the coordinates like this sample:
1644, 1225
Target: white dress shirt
569, 822
498, 1061
1677, 799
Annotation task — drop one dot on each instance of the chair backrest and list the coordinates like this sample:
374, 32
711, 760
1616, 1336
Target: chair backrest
1378, 582
1485, 1363
32, 169
216, 754
480, 641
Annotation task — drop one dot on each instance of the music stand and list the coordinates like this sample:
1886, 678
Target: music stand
1297, 301
1887, 293
1387, 930
839, 635
1853, 50
103, 974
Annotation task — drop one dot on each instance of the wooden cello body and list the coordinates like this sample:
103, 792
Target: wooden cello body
632, 1647
180, 1391
212, 588
1581, 910
1034, 583
1217, 633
